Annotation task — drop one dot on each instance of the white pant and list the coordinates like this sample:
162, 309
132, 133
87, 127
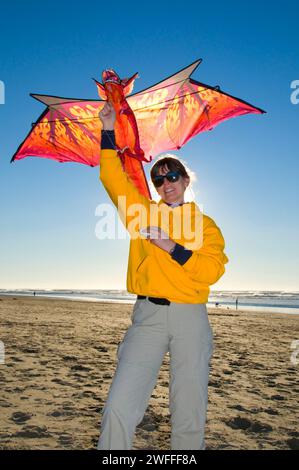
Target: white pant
184, 331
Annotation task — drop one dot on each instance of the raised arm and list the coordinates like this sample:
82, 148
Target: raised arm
117, 183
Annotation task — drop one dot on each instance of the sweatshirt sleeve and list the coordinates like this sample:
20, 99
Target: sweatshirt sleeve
207, 264
180, 254
121, 190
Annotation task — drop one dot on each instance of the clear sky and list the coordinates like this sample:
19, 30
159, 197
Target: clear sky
247, 167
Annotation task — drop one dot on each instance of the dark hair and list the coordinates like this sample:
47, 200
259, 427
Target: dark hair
173, 164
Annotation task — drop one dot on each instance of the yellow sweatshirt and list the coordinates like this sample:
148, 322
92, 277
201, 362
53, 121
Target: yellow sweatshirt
151, 270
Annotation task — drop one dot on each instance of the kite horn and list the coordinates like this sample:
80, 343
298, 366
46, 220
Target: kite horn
128, 84
101, 90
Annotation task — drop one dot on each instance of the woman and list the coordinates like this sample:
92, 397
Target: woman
170, 272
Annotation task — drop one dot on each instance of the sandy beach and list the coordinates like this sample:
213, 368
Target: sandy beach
60, 357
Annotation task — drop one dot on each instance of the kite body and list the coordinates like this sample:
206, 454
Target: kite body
126, 130
128, 147
158, 119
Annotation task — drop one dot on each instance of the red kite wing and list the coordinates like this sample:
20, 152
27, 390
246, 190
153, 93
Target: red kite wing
69, 130
176, 109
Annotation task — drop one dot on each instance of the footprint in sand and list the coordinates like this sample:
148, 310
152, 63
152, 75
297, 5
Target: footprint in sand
215, 384
80, 368
70, 358
32, 432
277, 397
269, 411
55, 414
16, 359
20, 418
238, 423
65, 439
64, 411
149, 427
62, 382
239, 408
5, 404
260, 428
107, 376
246, 424
293, 443
101, 349
30, 350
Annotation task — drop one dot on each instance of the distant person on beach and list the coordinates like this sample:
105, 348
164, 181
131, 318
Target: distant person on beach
237, 303
170, 314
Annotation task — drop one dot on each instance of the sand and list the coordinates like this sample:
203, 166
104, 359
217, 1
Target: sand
60, 357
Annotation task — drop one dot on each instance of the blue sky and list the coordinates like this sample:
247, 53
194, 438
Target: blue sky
247, 168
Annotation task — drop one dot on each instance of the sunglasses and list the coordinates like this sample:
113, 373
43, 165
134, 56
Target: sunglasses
171, 176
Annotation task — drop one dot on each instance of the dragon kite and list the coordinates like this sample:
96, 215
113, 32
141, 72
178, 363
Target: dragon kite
160, 118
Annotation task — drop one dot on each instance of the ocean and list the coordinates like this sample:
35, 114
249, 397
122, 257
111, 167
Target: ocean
269, 301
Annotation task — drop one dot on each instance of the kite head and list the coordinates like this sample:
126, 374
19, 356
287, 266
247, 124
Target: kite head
113, 85
111, 82
109, 76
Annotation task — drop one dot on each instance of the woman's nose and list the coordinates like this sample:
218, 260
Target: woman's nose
166, 183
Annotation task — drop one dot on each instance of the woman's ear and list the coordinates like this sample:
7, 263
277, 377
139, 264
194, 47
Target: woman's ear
186, 181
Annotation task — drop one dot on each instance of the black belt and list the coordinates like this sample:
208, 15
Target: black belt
155, 300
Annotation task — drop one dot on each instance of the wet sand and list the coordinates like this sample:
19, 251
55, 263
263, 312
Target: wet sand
60, 357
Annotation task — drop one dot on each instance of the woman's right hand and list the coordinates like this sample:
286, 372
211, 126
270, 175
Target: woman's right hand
108, 116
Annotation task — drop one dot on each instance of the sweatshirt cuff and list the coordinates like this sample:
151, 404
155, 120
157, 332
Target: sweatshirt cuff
107, 139
180, 254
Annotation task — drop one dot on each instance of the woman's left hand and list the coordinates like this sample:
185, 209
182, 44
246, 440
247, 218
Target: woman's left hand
158, 237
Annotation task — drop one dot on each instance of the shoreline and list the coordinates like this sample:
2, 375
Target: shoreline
224, 307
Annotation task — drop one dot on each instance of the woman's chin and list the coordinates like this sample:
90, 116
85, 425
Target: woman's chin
172, 200
169, 199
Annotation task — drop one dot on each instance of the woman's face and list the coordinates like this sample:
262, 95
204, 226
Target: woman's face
172, 192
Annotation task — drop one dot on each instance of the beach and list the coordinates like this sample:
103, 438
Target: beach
60, 357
